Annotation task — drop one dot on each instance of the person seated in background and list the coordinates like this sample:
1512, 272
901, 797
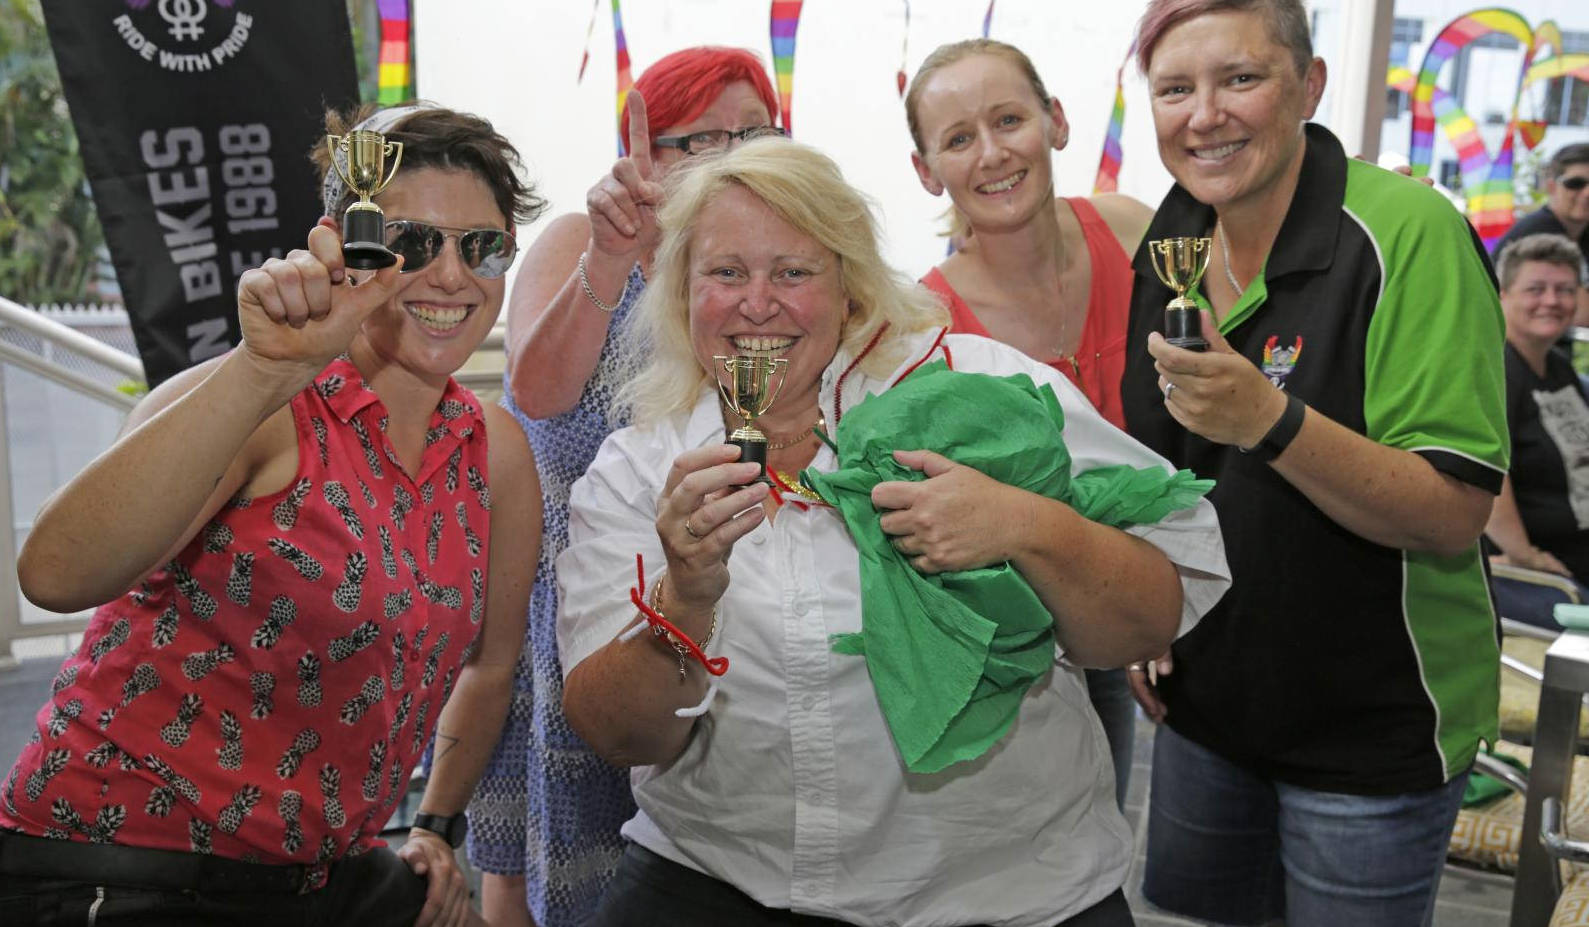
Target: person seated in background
1050, 276
1566, 209
543, 825
1541, 518
786, 801
299, 551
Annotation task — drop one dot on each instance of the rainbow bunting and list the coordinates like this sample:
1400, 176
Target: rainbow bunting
394, 75
590, 30
987, 19
784, 23
1108, 179
621, 55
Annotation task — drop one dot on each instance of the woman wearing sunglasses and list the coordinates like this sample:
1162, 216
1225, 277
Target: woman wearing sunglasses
544, 822
299, 550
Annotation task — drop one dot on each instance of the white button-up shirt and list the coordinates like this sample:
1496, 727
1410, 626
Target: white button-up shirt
790, 788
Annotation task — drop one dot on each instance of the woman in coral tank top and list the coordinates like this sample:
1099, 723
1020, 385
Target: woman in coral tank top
1048, 275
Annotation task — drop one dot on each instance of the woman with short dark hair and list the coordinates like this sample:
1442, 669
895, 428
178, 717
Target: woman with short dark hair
301, 552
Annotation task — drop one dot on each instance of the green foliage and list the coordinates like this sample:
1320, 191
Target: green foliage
49, 233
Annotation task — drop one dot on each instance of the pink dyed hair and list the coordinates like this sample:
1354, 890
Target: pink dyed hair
1287, 21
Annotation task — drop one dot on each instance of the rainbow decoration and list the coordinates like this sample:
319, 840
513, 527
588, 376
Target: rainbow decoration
590, 30
1108, 178
904, 50
987, 19
784, 22
394, 77
1486, 179
621, 55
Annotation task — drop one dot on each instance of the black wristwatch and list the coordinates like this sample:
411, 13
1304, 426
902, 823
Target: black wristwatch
1279, 437
449, 827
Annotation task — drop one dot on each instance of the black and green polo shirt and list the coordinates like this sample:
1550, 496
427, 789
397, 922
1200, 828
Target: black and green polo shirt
1335, 663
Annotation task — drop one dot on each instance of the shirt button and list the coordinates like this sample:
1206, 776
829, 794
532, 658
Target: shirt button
758, 537
808, 703
801, 608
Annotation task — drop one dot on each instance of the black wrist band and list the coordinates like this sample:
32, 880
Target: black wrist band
1279, 437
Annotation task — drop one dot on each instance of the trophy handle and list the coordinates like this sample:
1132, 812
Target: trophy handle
335, 143
394, 150
1156, 251
778, 364
728, 399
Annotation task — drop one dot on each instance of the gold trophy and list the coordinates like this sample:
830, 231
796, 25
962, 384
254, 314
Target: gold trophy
749, 393
1180, 263
364, 225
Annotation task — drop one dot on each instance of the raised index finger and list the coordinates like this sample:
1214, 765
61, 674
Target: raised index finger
639, 134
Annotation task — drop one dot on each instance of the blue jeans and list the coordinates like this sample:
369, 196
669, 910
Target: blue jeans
1111, 698
1228, 846
1530, 603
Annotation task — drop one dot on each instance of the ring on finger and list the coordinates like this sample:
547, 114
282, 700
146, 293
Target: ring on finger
1136, 668
1168, 389
691, 531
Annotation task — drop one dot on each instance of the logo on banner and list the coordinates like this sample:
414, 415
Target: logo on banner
1278, 360
185, 36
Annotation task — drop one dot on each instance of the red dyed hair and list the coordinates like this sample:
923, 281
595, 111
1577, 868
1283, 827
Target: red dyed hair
1287, 20
680, 86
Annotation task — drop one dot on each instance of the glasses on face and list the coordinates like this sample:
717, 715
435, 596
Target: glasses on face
714, 139
486, 252
1574, 183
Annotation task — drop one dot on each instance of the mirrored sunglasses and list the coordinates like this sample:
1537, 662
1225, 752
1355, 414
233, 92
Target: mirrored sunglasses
486, 252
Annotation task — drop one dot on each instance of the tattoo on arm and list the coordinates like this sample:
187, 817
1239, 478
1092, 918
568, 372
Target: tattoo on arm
444, 743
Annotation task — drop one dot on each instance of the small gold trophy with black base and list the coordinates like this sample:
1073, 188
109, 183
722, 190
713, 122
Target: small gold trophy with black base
1180, 263
749, 393
364, 154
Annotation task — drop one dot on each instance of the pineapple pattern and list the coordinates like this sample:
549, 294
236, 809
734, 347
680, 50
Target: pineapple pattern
165, 626
283, 611
176, 731
350, 591
240, 583
337, 497
307, 741
229, 755
276, 619
290, 807
285, 514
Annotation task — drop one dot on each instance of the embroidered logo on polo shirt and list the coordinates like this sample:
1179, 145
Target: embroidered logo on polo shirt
1278, 361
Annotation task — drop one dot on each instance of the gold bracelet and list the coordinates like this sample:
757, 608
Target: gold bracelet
680, 648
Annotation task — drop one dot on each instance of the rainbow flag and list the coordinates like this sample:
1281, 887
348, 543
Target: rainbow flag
621, 55
1108, 178
590, 30
784, 23
394, 77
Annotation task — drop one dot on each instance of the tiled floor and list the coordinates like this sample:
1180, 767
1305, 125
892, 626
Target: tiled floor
1467, 899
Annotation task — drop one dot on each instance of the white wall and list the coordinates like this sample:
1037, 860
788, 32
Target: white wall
515, 62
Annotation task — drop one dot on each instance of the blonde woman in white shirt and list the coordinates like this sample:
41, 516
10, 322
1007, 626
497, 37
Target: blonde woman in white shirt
786, 802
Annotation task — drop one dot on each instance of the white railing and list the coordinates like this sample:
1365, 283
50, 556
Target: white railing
50, 342
57, 343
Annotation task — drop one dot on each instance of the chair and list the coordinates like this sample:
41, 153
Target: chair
1545, 842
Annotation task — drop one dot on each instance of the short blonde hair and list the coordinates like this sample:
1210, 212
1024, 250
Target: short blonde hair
805, 189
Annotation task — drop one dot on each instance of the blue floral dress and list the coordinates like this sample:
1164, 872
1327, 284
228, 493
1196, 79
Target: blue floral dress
547, 807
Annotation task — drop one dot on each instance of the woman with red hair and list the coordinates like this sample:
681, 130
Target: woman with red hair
544, 821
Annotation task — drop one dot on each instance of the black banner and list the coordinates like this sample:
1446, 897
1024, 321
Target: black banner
194, 118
